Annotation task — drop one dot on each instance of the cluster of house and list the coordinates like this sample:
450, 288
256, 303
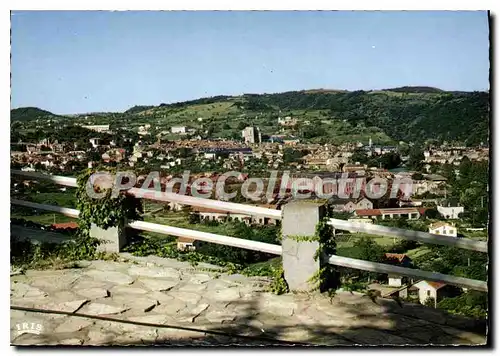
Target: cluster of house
419, 290
182, 130
97, 128
318, 157
377, 150
363, 211
455, 155
63, 156
287, 121
63, 161
429, 183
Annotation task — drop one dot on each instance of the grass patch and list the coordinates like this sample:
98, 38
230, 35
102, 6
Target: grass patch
25, 254
45, 218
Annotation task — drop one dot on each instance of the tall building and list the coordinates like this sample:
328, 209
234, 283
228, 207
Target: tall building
251, 135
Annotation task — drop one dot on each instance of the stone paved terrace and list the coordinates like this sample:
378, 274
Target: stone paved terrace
162, 291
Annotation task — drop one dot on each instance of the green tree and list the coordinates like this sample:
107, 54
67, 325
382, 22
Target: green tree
415, 160
472, 304
291, 155
359, 156
369, 250
390, 160
432, 214
417, 176
430, 302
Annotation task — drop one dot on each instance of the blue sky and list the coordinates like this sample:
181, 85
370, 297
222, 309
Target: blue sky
75, 62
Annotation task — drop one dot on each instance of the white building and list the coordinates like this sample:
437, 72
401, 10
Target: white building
450, 209
442, 228
435, 290
178, 129
185, 243
395, 280
360, 221
97, 128
95, 142
364, 204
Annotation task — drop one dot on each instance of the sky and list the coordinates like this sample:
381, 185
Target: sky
71, 62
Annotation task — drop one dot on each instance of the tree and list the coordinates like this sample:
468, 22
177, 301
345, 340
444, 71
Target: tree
430, 302
210, 130
369, 250
417, 176
309, 132
404, 149
291, 155
341, 215
432, 214
415, 161
390, 160
94, 156
359, 156
472, 304
193, 218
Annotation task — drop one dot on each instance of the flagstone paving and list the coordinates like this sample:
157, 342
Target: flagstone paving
167, 292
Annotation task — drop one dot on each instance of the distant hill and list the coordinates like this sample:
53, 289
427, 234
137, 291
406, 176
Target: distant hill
410, 113
138, 108
29, 113
415, 90
425, 113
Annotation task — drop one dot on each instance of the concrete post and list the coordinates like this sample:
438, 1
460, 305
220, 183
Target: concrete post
112, 239
300, 219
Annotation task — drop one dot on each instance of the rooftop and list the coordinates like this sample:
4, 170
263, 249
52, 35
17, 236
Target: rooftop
66, 225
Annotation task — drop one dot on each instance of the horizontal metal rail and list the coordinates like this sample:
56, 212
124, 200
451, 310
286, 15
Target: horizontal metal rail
207, 237
151, 194
467, 244
205, 203
274, 249
169, 230
60, 180
74, 213
389, 269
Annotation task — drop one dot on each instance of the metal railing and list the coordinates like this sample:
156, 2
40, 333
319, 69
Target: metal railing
424, 237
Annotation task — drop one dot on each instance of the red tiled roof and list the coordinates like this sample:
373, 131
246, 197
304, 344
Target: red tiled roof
185, 239
422, 210
439, 224
398, 210
436, 285
398, 256
200, 209
368, 212
68, 225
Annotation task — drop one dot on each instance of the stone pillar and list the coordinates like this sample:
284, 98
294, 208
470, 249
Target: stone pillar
300, 219
112, 239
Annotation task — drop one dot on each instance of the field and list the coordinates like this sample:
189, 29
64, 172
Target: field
225, 119
347, 243
64, 199
44, 218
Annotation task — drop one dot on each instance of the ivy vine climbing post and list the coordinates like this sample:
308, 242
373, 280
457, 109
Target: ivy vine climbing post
104, 216
307, 241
